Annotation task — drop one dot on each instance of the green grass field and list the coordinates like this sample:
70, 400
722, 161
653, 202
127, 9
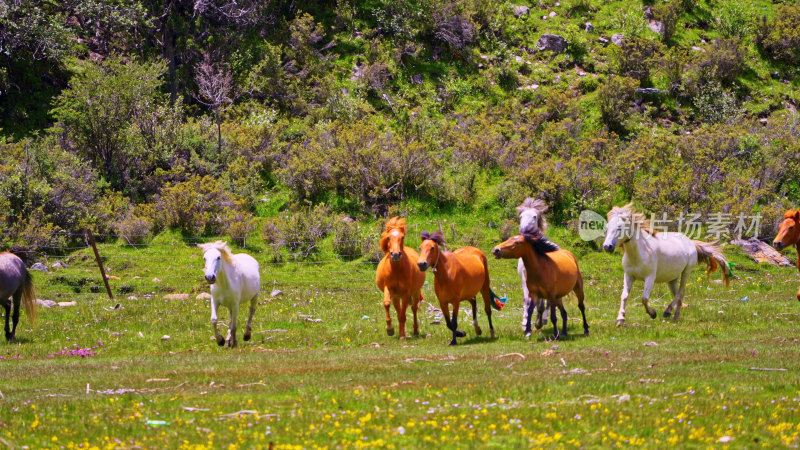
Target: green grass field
341, 382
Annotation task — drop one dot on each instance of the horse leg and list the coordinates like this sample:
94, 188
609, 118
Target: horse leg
579, 293
553, 319
400, 308
673, 287
474, 304
540, 307
527, 313
387, 301
248, 330
7, 307
648, 287
231, 342
454, 323
15, 315
414, 307
623, 300
214, 308
486, 293
681, 291
563, 317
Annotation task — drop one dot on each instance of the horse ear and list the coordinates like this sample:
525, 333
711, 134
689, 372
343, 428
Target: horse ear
437, 237
797, 215
424, 235
401, 224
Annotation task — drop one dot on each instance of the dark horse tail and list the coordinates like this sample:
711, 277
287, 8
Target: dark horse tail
497, 302
29, 296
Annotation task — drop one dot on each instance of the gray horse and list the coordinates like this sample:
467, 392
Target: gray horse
15, 284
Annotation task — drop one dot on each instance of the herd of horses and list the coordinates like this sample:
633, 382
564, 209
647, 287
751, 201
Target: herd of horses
548, 273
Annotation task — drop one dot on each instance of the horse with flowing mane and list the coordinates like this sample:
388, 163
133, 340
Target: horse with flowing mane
458, 275
552, 273
16, 289
233, 279
531, 220
657, 257
789, 234
398, 276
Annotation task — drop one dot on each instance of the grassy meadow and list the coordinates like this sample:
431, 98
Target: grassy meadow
321, 372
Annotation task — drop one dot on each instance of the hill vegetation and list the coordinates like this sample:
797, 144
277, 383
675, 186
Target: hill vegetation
215, 117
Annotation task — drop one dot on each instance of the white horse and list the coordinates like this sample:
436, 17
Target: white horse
657, 257
233, 279
531, 221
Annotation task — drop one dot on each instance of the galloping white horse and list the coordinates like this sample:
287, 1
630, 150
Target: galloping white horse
531, 221
233, 279
657, 257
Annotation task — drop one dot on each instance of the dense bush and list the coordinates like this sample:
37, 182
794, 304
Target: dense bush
300, 232
349, 241
780, 37
195, 206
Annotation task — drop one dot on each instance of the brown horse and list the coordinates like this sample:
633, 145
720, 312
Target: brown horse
789, 234
552, 274
457, 276
398, 276
16, 288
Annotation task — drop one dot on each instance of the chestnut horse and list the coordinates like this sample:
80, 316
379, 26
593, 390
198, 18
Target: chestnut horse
398, 276
552, 274
789, 234
458, 275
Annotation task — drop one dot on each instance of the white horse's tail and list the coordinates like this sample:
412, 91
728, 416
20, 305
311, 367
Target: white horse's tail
711, 254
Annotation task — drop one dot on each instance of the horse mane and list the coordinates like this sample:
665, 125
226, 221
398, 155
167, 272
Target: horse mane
436, 236
540, 243
539, 205
636, 217
223, 248
791, 214
394, 224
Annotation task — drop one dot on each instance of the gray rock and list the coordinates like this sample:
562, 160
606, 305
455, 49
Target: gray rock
648, 91
656, 26
416, 79
39, 267
617, 39
59, 265
520, 10
603, 40
46, 303
588, 27
552, 42
552, 14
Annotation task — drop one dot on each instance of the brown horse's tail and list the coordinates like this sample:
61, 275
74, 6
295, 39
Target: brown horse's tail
29, 297
711, 254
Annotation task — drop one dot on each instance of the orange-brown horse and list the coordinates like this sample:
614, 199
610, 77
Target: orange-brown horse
457, 276
398, 276
789, 234
552, 274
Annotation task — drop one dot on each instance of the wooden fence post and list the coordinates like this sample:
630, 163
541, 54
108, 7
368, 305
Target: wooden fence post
99, 262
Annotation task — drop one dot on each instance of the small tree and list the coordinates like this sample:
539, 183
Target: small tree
214, 89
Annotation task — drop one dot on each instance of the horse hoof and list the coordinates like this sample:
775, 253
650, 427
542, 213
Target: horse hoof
247, 337
390, 331
539, 325
453, 342
478, 331
527, 334
652, 313
667, 314
585, 332
620, 322
220, 341
460, 333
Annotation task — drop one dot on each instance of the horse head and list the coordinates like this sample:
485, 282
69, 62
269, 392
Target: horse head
516, 246
429, 250
392, 238
618, 220
213, 255
531, 216
789, 230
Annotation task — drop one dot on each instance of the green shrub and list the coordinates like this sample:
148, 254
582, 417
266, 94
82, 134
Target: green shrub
614, 98
301, 232
134, 230
631, 22
714, 104
195, 206
780, 37
735, 19
669, 15
348, 241
634, 58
